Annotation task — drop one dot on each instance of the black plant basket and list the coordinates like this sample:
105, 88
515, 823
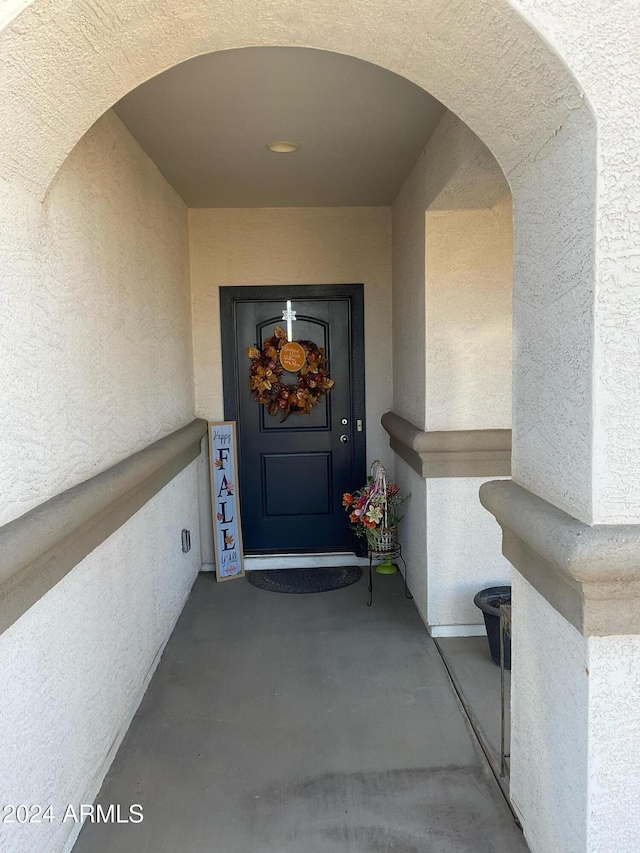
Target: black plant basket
489, 601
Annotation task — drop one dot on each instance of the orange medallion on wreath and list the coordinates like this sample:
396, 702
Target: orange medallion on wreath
292, 357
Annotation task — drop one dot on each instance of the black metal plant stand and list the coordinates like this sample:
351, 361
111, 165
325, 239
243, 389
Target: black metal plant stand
381, 556
505, 631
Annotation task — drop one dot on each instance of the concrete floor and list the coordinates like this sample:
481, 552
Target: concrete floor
302, 724
477, 681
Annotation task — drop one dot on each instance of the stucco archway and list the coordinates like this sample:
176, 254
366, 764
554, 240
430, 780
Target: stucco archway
65, 68
483, 61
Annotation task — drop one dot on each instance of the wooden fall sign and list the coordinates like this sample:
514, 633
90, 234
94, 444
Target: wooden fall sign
227, 532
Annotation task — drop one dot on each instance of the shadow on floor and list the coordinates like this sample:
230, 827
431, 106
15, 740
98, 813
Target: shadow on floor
302, 724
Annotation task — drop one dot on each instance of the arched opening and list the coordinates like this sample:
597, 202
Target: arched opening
516, 96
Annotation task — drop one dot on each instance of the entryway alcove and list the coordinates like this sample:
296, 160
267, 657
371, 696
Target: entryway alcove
120, 343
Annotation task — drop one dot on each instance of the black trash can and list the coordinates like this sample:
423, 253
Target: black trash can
489, 601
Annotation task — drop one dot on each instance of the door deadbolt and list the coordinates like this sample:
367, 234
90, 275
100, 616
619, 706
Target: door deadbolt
344, 421
344, 438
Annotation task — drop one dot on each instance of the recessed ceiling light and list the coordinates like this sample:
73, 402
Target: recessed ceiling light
283, 147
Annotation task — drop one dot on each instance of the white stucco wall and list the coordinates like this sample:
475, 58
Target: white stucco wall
452, 286
412, 532
75, 666
553, 321
575, 766
464, 552
462, 172
96, 358
410, 366
95, 349
549, 725
575, 777
10, 9
452, 289
601, 43
614, 735
452, 547
469, 275
409, 298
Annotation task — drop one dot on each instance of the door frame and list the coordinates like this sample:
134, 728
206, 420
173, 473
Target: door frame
230, 296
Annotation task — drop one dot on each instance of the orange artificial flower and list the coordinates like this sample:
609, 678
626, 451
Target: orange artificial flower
347, 499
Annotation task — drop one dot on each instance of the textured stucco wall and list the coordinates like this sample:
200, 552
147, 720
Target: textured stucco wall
469, 287
601, 43
452, 547
614, 735
74, 665
261, 246
462, 173
549, 725
575, 766
413, 532
464, 551
96, 348
10, 9
409, 298
452, 288
553, 320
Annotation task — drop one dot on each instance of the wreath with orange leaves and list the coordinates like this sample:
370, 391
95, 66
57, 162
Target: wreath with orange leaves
266, 380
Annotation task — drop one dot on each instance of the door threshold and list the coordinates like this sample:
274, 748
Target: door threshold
260, 562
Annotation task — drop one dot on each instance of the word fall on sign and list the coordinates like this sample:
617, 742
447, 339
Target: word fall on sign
227, 531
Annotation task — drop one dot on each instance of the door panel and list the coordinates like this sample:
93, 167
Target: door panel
293, 473
286, 484
307, 329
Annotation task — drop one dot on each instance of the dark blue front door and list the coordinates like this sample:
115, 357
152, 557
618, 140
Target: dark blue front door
293, 473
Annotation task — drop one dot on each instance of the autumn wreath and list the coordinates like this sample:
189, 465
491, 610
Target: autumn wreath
266, 375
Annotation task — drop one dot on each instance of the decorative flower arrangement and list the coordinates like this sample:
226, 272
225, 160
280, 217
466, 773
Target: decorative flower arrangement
279, 397
373, 509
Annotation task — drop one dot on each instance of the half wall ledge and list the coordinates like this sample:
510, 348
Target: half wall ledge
41, 547
590, 575
455, 453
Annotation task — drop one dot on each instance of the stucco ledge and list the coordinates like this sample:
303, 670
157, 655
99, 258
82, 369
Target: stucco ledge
589, 574
454, 453
41, 547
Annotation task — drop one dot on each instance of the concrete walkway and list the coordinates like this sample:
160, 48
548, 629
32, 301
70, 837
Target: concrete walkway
301, 724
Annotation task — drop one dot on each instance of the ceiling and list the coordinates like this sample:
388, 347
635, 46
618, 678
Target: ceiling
206, 123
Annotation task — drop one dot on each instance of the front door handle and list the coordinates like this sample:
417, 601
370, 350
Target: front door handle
344, 438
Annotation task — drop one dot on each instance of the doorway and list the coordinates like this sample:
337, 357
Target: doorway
294, 471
